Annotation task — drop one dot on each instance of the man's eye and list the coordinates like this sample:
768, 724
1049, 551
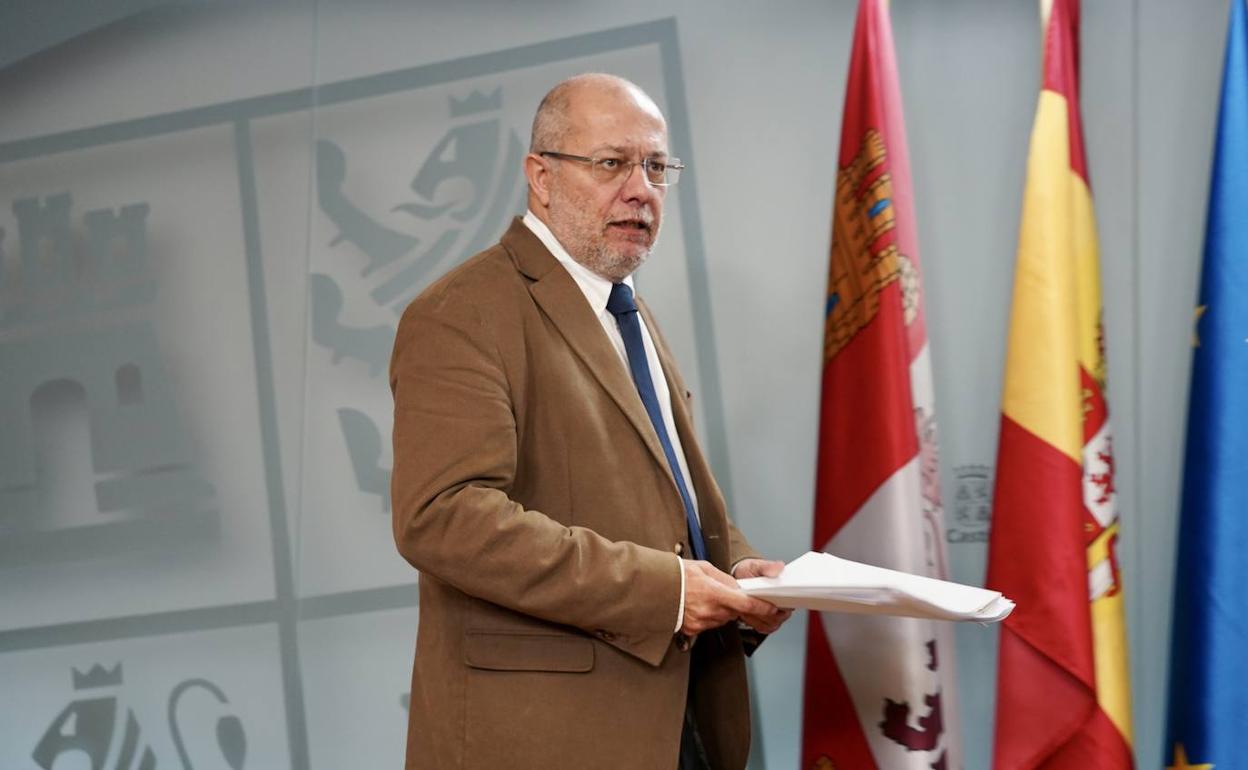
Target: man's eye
657, 166
610, 164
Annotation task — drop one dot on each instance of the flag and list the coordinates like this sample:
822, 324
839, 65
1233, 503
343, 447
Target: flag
879, 691
1208, 719
1063, 695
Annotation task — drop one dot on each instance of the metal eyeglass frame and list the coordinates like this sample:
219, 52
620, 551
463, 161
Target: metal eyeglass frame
671, 164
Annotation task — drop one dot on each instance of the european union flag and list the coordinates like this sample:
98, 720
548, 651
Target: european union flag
1208, 721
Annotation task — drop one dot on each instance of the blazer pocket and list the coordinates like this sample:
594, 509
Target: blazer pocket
527, 651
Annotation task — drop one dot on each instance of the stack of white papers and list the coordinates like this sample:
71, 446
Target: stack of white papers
823, 582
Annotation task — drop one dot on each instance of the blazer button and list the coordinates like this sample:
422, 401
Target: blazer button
605, 636
684, 642
679, 549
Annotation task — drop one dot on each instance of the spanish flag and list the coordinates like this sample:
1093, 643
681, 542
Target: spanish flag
1063, 696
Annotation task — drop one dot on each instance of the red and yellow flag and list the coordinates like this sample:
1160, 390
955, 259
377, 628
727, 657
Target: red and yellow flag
1063, 695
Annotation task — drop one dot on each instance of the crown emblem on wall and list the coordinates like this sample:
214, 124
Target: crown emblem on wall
74, 269
477, 102
97, 676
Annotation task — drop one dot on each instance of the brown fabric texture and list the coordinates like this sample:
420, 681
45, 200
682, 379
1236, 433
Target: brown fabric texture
532, 494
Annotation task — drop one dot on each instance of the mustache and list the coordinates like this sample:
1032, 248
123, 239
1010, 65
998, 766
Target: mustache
643, 219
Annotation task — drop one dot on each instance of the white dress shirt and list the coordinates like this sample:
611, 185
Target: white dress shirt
597, 291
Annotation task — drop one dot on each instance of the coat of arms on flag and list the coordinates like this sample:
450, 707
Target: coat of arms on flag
879, 691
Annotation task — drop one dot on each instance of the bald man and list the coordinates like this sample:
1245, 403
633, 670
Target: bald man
578, 606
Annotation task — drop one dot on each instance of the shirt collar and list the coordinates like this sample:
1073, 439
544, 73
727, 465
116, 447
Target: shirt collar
597, 290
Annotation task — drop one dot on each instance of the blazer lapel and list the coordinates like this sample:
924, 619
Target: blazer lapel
710, 513
562, 301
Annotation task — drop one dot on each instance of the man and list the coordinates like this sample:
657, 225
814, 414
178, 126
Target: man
548, 482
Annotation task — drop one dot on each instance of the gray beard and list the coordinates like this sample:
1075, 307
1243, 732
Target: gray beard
598, 257
611, 265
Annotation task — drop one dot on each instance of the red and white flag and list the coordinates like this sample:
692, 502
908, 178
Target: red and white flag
880, 692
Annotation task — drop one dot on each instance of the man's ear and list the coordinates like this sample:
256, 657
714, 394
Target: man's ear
538, 172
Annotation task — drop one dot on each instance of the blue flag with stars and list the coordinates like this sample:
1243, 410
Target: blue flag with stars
1208, 719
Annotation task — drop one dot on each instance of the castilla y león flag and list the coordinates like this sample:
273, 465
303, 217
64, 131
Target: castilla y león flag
879, 691
1063, 698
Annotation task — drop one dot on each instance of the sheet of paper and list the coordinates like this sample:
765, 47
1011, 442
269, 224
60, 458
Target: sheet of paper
823, 582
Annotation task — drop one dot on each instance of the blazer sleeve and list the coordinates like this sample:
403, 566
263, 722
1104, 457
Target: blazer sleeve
739, 547
455, 454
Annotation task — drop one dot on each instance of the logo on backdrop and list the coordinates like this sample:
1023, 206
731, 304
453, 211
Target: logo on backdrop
82, 369
463, 193
972, 504
92, 724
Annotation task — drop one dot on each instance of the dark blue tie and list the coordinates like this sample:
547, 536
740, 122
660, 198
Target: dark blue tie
624, 309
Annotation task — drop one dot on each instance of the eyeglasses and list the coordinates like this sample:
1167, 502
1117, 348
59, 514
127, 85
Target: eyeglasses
612, 168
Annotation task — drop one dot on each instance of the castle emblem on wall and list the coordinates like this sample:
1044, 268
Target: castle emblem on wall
85, 393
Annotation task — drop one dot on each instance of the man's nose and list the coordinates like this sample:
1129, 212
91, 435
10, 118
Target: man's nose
636, 188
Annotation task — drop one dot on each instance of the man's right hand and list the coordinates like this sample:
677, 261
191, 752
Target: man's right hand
712, 599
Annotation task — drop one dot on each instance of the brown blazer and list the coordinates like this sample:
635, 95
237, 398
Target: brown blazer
532, 493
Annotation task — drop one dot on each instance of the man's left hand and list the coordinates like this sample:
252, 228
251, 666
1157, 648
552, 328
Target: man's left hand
750, 568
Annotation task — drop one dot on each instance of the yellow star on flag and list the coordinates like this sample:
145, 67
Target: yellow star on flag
1180, 761
1200, 310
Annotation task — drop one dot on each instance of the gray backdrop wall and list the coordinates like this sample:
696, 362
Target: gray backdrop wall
211, 214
